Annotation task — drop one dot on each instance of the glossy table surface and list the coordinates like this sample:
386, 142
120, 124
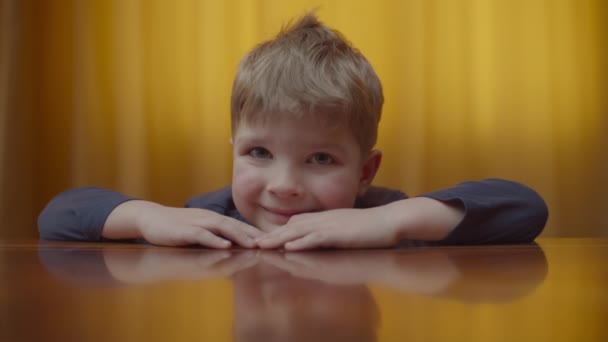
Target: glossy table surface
556, 290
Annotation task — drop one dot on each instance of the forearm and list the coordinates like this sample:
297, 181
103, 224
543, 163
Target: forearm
122, 223
423, 219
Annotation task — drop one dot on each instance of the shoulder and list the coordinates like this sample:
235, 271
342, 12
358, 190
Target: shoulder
219, 201
377, 196
217, 198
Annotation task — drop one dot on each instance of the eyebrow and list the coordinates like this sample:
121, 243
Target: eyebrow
329, 146
250, 140
256, 140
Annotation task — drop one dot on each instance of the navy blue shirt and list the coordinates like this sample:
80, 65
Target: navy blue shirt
496, 211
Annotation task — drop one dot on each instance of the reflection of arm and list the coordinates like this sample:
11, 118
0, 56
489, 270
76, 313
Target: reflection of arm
99, 267
78, 214
497, 274
496, 211
428, 272
477, 274
425, 271
155, 265
80, 267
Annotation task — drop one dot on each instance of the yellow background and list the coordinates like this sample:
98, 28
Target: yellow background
134, 96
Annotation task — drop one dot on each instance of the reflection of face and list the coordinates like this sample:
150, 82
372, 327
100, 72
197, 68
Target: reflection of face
314, 295
283, 168
271, 305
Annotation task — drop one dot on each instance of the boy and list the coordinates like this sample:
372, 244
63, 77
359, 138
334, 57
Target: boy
305, 109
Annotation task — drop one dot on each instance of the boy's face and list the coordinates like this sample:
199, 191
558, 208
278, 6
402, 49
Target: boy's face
288, 167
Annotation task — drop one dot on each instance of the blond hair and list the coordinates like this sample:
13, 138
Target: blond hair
309, 69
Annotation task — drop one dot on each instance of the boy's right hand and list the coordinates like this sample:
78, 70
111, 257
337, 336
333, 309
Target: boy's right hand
169, 226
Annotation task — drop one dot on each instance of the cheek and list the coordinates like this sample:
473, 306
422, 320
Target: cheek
338, 190
246, 181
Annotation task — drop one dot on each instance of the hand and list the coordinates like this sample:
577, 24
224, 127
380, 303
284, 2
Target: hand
169, 226
186, 226
338, 228
409, 219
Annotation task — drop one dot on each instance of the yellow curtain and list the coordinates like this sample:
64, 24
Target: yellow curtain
134, 96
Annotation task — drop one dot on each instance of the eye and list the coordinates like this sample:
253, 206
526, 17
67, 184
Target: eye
260, 153
321, 158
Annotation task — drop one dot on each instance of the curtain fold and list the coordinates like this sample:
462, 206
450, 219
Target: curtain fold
134, 96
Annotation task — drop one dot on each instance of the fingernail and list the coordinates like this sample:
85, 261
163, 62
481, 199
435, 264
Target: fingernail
291, 246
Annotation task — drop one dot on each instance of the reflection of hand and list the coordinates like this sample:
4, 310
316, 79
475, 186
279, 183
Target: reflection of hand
150, 265
419, 271
335, 267
274, 305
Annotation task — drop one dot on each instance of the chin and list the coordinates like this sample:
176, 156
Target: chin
268, 226
268, 222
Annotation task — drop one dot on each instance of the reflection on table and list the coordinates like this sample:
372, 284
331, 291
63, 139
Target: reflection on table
103, 292
321, 295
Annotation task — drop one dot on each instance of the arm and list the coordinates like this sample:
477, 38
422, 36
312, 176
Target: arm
496, 211
92, 214
78, 214
377, 227
489, 211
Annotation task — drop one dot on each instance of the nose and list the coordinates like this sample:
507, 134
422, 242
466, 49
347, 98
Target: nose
284, 183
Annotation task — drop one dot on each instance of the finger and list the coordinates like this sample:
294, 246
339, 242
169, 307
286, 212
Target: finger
210, 219
278, 238
250, 230
309, 241
239, 232
208, 239
226, 222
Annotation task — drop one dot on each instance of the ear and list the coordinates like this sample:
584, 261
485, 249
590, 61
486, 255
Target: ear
368, 171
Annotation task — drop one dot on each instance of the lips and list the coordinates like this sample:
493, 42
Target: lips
283, 212
281, 215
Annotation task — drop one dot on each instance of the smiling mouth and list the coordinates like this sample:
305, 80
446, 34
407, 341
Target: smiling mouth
280, 216
283, 212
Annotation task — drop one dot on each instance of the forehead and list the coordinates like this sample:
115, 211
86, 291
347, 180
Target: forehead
301, 129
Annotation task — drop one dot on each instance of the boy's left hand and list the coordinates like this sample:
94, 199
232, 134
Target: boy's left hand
338, 228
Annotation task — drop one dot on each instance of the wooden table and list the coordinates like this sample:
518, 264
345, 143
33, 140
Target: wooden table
57, 291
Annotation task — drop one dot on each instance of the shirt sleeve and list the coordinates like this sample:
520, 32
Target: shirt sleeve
78, 214
496, 212
219, 201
